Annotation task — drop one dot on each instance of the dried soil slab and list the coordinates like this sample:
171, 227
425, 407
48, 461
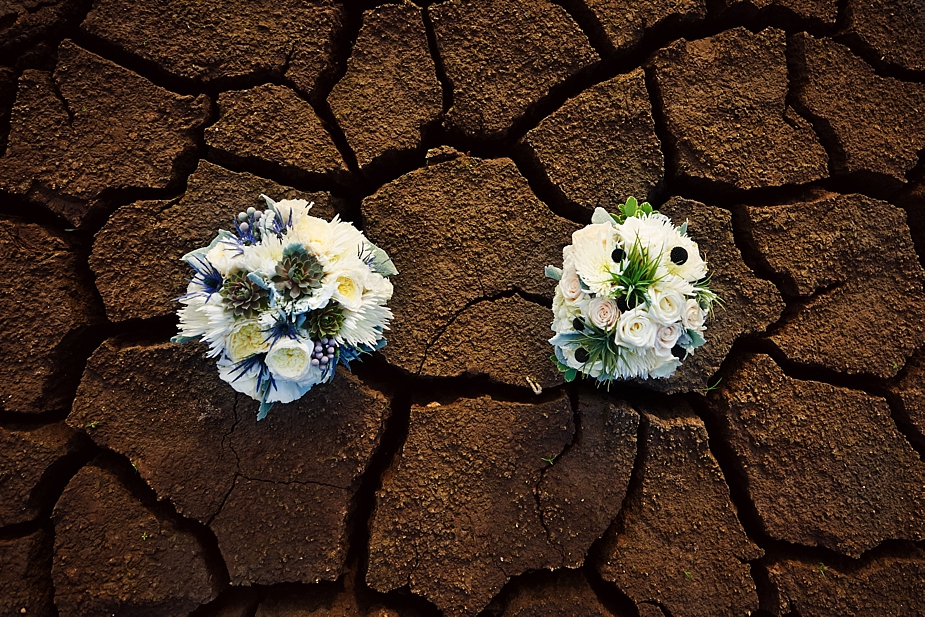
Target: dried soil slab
911, 391
680, 543
136, 256
166, 410
836, 88
502, 57
286, 518
460, 231
750, 304
600, 147
624, 22
865, 483
554, 594
114, 555
25, 576
817, 12
270, 123
507, 339
93, 127
457, 515
390, 91
47, 307
724, 100
839, 246
889, 585
279, 515
581, 493
25, 456
339, 600
891, 29
24, 22
222, 42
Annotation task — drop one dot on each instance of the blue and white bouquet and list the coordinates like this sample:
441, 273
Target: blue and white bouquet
285, 297
632, 299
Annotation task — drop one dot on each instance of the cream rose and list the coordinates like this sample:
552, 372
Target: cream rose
636, 328
667, 305
246, 339
667, 336
570, 284
603, 313
289, 359
693, 316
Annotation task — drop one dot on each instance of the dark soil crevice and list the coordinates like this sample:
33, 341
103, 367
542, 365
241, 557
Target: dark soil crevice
555, 199
159, 76
874, 58
48, 490
751, 254
342, 183
446, 84
665, 138
612, 597
590, 25
768, 601
870, 385
121, 467
240, 601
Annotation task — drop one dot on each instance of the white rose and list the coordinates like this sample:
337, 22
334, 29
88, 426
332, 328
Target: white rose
603, 313
667, 337
693, 316
246, 339
570, 284
225, 259
636, 328
289, 359
347, 285
667, 304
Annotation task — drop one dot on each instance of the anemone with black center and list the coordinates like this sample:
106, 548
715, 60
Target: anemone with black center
679, 255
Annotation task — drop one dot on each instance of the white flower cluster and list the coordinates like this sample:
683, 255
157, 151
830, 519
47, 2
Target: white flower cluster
632, 297
284, 298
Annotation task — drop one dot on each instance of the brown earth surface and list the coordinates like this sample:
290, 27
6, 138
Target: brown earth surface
778, 473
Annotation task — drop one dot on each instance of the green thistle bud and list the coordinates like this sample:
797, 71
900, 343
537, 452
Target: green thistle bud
299, 272
244, 297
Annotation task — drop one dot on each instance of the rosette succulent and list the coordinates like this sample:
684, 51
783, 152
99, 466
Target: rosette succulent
244, 297
299, 272
325, 322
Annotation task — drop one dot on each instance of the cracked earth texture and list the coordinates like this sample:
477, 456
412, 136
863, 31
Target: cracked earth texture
779, 473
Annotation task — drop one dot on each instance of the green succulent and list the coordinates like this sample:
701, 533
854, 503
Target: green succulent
298, 273
325, 322
245, 297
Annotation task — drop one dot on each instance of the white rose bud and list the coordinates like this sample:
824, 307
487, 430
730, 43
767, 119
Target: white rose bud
693, 316
289, 359
570, 284
636, 328
603, 313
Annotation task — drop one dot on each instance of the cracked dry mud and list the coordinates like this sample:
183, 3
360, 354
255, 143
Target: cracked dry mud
779, 473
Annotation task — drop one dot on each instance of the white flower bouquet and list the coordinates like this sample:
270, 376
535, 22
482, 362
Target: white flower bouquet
284, 298
632, 299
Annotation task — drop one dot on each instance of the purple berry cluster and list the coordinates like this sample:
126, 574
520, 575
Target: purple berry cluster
324, 352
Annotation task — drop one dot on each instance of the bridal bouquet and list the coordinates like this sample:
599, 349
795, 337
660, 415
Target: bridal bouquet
632, 297
284, 298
